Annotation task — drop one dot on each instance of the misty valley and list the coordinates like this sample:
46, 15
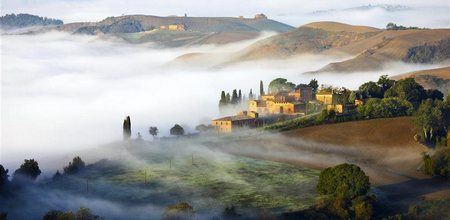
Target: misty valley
286, 114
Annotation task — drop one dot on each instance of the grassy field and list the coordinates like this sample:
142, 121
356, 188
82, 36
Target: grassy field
207, 180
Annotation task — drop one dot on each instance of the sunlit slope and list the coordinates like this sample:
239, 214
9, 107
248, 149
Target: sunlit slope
438, 78
443, 73
310, 38
369, 48
388, 46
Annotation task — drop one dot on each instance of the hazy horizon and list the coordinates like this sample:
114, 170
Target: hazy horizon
295, 13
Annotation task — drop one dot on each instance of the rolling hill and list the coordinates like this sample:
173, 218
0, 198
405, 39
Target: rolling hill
438, 78
369, 48
198, 30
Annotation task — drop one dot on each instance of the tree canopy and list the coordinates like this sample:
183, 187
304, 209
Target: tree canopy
29, 169
280, 85
177, 130
75, 166
345, 180
3, 176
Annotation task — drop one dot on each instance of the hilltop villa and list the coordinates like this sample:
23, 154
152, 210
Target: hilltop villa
173, 27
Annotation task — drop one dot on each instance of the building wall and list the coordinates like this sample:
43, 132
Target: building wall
223, 126
325, 98
280, 107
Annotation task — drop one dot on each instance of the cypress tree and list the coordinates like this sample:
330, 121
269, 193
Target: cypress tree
250, 95
234, 97
228, 98
261, 88
240, 96
127, 128
223, 99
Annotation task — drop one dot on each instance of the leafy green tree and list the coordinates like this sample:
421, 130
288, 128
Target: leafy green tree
438, 164
127, 128
261, 88
179, 211
3, 176
407, 89
429, 119
153, 131
29, 170
370, 90
385, 83
177, 130
75, 166
280, 85
203, 128
314, 84
344, 180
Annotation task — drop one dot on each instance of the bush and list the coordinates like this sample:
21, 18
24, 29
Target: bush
344, 180
179, 211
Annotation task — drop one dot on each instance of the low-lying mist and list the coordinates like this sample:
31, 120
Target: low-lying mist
63, 93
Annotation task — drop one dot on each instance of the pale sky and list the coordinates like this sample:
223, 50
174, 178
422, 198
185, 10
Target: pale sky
294, 12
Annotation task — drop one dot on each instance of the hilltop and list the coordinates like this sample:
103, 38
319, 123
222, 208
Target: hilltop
11, 21
189, 30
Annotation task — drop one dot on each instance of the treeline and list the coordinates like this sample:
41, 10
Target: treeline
27, 20
429, 53
394, 27
26, 175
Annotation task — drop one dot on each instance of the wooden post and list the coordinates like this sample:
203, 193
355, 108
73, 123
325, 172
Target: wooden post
170, 164
192, 158
87, 185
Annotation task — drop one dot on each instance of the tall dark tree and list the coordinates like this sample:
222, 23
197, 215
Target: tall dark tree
261, 88
153, 131
3, 176
29, 170
314, 84
177, 130
239, 96
223, 99
75, 166
127, 128
250, 95
228, 98
234, 97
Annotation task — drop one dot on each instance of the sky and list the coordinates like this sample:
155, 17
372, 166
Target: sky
420, 13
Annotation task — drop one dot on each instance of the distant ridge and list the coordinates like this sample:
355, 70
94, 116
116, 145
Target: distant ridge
9, 21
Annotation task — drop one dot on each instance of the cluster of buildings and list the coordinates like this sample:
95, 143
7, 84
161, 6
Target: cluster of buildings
301, 101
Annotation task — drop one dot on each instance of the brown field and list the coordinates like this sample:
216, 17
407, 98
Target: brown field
384, 148
336, 26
